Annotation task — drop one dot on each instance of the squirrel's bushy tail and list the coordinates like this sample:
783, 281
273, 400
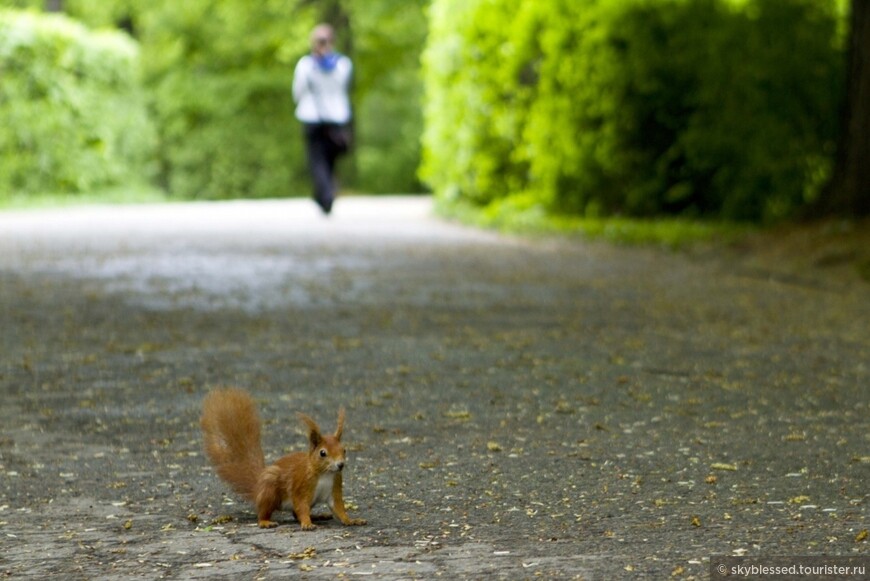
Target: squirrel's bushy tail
231, 427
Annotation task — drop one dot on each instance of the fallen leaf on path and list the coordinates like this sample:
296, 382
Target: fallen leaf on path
307, 553
721, 466
458, 414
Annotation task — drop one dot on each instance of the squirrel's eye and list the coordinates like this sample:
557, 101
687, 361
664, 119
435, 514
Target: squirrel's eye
323, 453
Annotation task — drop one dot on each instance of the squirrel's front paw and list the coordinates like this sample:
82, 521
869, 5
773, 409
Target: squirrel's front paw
267, 524
308, 526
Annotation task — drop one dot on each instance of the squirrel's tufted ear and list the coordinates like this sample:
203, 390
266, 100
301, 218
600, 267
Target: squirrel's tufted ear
340, 426
314, 436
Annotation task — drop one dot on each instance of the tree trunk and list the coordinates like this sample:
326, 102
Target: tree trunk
848, 192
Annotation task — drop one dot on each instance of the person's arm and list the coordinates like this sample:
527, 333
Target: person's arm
348, 79
300, 79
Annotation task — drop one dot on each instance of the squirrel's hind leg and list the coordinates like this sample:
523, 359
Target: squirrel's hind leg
268, 497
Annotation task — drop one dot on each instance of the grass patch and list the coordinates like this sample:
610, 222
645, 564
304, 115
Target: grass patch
515, 215
120, 195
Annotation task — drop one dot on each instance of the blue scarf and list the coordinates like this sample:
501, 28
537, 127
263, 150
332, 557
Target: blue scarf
327, 62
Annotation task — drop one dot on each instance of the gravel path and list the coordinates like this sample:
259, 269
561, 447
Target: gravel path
515, 408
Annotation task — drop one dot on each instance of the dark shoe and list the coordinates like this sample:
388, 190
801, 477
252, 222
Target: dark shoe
325, 205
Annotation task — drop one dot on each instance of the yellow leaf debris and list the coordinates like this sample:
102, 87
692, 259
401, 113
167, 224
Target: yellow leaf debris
723, 466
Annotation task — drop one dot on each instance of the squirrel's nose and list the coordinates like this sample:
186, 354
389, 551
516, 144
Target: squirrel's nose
341, 465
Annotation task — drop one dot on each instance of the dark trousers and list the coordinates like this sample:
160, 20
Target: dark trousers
322, 154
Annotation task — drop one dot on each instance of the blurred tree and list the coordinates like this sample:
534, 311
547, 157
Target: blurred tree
72, 108
849, 189
716, 108
218, 74
22, 4
387, 37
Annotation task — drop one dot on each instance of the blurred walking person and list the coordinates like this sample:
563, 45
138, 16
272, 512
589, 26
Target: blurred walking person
321, 84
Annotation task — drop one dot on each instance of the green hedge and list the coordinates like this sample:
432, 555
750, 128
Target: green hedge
72, 111
227, 135
388, 95
710, 108
219, 79
476, 102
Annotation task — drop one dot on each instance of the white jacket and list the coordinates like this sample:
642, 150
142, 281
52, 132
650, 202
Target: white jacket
322, 97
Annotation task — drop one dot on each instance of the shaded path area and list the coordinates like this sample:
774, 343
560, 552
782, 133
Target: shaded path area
514, 408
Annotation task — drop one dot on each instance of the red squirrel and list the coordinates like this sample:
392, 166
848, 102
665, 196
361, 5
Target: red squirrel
297, 481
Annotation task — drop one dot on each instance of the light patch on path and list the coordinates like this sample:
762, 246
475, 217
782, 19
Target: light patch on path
252, 255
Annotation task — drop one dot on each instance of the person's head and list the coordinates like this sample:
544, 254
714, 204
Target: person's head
322, 39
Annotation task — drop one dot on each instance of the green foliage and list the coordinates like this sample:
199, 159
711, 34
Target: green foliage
639, 107
522, 214
219, 75
476, 99
218, 79
71, 107
744, 119
22, 4
126, 193
387, 41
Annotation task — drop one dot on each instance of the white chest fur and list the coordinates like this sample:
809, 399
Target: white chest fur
323, 491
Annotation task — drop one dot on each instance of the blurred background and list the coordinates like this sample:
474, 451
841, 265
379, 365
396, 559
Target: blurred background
721, 109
